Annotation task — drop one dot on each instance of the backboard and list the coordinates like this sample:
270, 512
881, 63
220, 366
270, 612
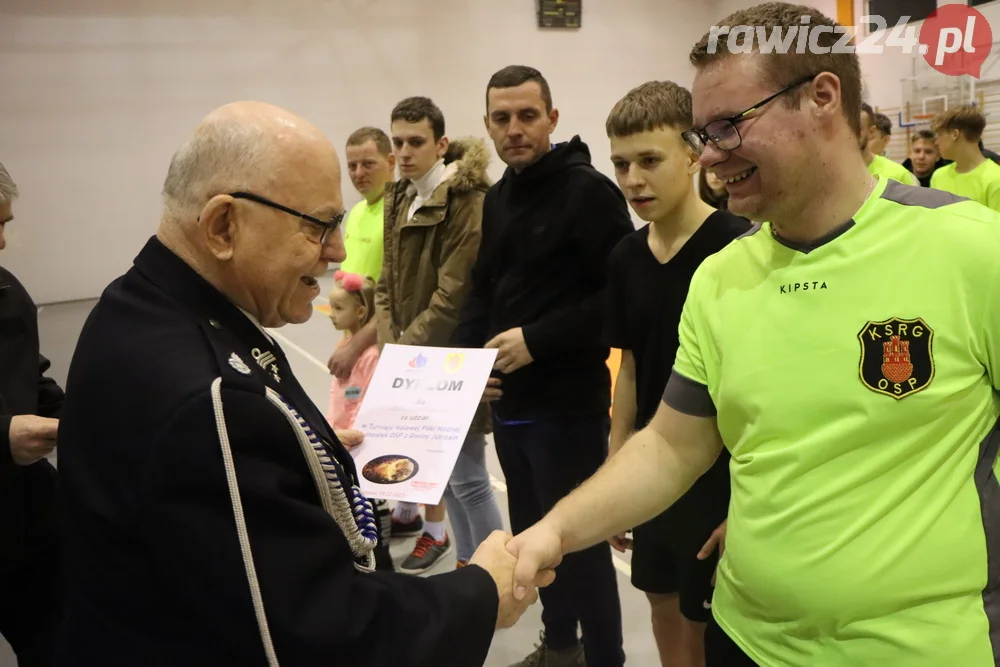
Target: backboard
926, 93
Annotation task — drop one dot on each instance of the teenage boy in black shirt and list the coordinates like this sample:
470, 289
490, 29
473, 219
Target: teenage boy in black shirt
925, 157
648, 277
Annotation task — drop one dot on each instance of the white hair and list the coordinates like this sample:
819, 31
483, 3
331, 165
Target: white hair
8, 188
223, 156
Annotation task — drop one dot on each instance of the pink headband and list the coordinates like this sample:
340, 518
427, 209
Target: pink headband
351, 282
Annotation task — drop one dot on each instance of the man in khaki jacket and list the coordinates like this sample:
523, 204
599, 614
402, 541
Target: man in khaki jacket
433, 227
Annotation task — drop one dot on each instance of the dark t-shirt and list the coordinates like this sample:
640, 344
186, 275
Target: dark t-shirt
645, 300
925, 180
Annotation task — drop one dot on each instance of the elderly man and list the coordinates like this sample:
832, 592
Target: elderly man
212, 516
30, 403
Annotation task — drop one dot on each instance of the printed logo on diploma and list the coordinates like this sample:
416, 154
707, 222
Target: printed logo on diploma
453, 362
415, 416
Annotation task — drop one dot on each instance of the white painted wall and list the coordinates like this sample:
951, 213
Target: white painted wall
95, 95
724, 8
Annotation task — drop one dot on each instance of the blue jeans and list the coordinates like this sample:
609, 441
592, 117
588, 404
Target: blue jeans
471, 503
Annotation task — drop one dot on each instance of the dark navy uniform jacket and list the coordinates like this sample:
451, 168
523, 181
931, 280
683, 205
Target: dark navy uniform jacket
155, 568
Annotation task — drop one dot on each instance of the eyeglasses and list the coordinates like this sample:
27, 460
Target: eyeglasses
723, 132
327, 226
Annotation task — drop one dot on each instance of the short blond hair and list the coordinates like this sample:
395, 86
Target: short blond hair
362, 136
783, 69
654, 104
967, 119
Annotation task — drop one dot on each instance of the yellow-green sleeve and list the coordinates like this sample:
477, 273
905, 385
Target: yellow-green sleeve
992, 329
993, 194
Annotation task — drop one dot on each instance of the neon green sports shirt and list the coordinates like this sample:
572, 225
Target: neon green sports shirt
855, 384
883, 166
363, 239
982, 184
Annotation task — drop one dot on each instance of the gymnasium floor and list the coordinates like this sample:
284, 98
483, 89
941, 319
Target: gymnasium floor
308, 346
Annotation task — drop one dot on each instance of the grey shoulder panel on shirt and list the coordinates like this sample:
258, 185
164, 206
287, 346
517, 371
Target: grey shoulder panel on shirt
688, 397
911, 195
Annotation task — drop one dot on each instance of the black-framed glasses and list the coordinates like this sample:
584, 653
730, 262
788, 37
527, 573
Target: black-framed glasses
723, 132
327, 226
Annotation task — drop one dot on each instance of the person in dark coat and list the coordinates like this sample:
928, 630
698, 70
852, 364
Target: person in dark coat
30, 403
211, 515
537, 295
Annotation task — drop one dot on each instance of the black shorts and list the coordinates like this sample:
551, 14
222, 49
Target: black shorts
665, 553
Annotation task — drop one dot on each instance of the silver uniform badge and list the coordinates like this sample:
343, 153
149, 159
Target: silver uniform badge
238, 364
266, 360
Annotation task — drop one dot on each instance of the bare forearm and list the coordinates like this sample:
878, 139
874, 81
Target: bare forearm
622, 413
638, 483
366, 336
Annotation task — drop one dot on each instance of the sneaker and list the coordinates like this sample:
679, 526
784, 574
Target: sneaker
543, 656
426, 554
414, 527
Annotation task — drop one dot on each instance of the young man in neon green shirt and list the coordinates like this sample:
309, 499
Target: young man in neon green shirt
879, 139
971, 174
847, 354
370, 164
879, 164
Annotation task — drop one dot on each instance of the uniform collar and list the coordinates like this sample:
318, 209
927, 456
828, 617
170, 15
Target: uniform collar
256, 323
177, 278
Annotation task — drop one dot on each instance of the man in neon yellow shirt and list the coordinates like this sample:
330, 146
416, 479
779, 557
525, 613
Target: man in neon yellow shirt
879, 164
847, 354
881, 136
370, 164
971, 174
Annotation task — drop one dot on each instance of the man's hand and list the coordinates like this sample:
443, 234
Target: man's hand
350, 437
343, 359
492, 556
493, 391
512, 350
621, 542
538, 550
32, 438
716, 539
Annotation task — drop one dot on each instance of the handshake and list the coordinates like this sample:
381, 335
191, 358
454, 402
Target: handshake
519, 567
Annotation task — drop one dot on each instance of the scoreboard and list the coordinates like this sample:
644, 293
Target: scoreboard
559, 13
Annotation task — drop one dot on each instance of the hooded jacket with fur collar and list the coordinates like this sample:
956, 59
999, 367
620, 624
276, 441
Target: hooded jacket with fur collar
428, 257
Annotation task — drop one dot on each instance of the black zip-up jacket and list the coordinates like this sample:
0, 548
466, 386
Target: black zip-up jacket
26, 492
542, 266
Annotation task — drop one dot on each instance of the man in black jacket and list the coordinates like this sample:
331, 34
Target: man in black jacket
212, 516
29, 409
549, 226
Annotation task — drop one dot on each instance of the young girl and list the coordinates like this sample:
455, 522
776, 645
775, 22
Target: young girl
352, 305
